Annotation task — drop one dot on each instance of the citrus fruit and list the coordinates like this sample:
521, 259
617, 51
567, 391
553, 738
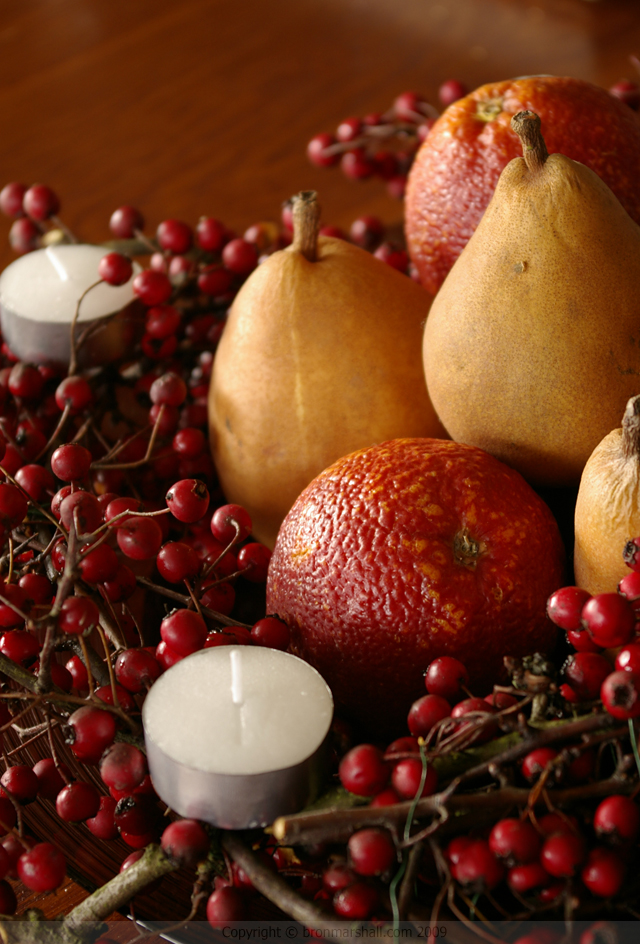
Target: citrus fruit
457, 168
409, 550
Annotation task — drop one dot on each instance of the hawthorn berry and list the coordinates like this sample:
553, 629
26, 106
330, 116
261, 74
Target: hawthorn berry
603, 872
406, 776
620, 694
71, 462
123, 766
477, 867
136, 669
371, 851
230, 523
356, 902
253, 562
77, 802
609, 619
363, 770
186, 841
585, 672
20, 783
115, 269
515, 840
563, 853
564, 607
617, 818
78, 615
152, 288
89, 732
425, 712
139, 538
272, 633
225, 906
536, 761
40, 202
184, 631
188, 500
102, 825
42, 868
51, 778
446, 677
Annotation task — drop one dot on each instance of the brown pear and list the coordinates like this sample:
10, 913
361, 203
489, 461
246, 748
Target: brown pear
320, 356
607, 515
532, 347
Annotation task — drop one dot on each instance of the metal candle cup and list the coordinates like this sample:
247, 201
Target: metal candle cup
39, 294
235, 736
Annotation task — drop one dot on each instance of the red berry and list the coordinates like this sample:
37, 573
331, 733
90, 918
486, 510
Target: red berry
90, 732
210, 234
564, 607
450, 91
230, 523
629, 587
42, 868
628, 658
115, 269
139, 538
317, 150
102, 825
75, 667
123, 766
125, 221
40, 202
562, 854
515, 840
356, 164
11, 197
392, 255
152, 288
585, 672
620, 694
98, 564
406, 777
356, 902
78, 615
371, 851
184, 631
524, 878
75, 393
603, 872
425, 712
617, 818
136, 669
367, 232
445, 676
225, 907
337, 876
168, 390
609, 619
253, 562
174, 236
536, 762
77, 801
477, 867
628, 92
185, 841
363, 770
19, 782
136, 814
347, 130
582, 641
50, 780
71, 462
215, 280
25, 381
240, 256
188, 500
272, 633
220, 598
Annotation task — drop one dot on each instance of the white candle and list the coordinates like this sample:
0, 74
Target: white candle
234, 735
39, 294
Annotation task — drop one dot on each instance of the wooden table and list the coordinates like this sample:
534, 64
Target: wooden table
205, 107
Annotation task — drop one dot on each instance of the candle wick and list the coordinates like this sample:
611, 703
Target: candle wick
237, 692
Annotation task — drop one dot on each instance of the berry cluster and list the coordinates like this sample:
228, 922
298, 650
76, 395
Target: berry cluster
382, 144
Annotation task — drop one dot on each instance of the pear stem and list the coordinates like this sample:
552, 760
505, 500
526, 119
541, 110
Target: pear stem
526, 125
306, 224
631, 429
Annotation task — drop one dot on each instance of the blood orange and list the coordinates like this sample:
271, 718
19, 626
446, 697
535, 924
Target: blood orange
457, 168
409, 550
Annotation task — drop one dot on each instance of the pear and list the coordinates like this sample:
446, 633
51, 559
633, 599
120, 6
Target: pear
532, 347
320, 356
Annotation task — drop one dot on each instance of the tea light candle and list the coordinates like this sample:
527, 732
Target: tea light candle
235, 735
39, 294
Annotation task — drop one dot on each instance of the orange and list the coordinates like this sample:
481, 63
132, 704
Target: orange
457, 168
409, 550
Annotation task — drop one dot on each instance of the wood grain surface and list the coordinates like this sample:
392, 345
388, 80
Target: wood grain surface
205, 107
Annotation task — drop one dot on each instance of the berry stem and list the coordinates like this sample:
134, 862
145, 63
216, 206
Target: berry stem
306, 224
73, 343
526, 125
